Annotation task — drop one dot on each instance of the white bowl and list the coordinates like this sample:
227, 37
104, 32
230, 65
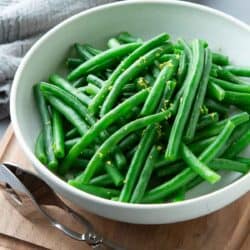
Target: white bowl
145, 19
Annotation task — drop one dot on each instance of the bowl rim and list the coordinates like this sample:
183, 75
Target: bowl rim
64, 186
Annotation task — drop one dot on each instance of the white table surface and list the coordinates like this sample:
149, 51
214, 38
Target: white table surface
237, 8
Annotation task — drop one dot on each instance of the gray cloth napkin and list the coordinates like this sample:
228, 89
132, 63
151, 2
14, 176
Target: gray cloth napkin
22, 22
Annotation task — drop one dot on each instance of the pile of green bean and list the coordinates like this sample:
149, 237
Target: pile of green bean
144, 121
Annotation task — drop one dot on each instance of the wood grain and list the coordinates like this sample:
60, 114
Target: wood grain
7, 242
227, 229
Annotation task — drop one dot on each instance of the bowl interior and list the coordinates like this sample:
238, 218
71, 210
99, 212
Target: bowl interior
142, 19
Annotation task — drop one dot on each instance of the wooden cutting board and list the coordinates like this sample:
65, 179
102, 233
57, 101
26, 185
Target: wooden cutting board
227, 229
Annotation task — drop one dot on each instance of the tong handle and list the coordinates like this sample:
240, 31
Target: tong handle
21, 194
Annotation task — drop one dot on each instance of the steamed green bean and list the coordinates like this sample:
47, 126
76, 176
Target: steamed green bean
144, 121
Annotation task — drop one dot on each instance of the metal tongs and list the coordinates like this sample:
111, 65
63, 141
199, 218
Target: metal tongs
29, 194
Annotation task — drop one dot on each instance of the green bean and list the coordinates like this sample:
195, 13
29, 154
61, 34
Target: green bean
225, 164
186, 48
72, 63
95, 80
170, 186
166, 98
182, 70
204, 110
40, 149
158, 88
170, 169
113, 43
221, 164
126, 37
129, 88
137, 162
70, 175
205, 43
101, 180
108, 72
175, 103
78, 83
114, 139
236, 135
238, 145
106, 193
217, 127
129, 74
82, 52
227, 75
237, 98
47, 128
220, 59
71, 142
113, 128
87, 153
69, 99
199, 167
156, 71
214, 72
231, 86
92, 50
144, 177
149, 79
90, 89
114, 173
216, 68
128, 94
207, 120
196, 147
209, 131
71, 133
147, 46
215, 91
120, 159
199, 99
179, 195
191, 84
101, 125
80, 164
213, 149
216, 106
70, 114
178, 51
195, 182
243, 107
103, 57
131, 152
62, 83
115, 198
187, 175
103, 70
58, 134
239, 70
94, 88
243, 160
130, 115
166, 57
141, 83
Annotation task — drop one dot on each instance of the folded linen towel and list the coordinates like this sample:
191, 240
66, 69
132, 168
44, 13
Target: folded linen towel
22, 22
